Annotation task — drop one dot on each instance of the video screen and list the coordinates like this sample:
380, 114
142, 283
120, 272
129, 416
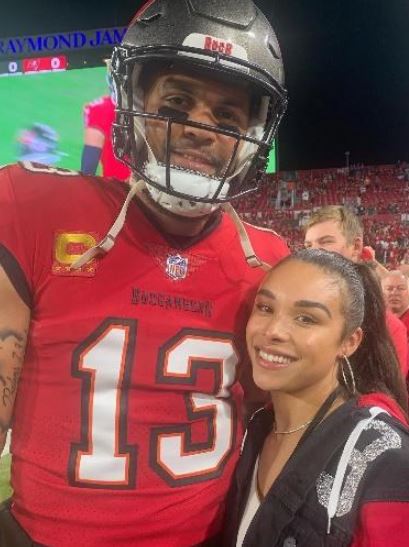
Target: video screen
42, 115
271, 166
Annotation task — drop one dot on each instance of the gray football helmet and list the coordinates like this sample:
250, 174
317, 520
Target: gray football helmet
228, 39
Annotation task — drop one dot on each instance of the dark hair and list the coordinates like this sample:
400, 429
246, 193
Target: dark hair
375, 363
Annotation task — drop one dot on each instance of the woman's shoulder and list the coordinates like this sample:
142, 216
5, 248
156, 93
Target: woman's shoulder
385, 402
376, 452
385, 451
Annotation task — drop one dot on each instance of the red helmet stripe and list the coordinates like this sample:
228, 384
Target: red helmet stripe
141, 11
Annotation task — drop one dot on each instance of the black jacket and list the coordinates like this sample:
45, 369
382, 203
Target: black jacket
294, 512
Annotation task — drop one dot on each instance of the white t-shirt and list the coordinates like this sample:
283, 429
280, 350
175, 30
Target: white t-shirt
252, 504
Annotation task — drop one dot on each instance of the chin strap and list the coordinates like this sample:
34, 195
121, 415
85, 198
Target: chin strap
252, 259
106, 244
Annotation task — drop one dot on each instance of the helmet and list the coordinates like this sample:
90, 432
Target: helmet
230, 40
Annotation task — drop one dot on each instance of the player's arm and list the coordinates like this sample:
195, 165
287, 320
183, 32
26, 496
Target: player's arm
14, 323
91, 153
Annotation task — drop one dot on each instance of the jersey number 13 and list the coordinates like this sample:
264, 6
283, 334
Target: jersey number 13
104, 458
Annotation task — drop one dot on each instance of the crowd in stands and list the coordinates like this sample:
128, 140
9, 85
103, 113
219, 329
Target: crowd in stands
378, 194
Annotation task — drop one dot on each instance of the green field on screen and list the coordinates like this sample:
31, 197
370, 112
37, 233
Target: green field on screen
55, 99
5, 489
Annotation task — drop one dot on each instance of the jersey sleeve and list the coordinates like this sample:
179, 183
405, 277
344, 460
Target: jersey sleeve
279, 248
383, 523
268, 245
398, 333
15, 237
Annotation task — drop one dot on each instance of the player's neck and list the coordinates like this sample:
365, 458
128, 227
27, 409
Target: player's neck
169, 222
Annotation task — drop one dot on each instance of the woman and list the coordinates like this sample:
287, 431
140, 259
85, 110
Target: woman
327, 463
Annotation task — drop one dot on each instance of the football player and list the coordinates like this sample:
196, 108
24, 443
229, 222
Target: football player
99, 116
123, 310
39, 143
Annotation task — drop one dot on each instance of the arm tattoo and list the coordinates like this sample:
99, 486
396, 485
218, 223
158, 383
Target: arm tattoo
12, 346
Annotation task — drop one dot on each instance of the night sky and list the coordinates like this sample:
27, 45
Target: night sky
347, 68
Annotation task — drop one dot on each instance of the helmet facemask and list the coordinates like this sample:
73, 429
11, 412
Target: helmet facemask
179, 188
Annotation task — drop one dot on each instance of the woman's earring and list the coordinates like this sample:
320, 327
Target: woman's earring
350, 385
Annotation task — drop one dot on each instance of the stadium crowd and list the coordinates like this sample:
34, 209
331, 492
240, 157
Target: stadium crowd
378, 194
138, 325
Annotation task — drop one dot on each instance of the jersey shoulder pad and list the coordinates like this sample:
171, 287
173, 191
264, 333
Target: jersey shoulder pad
261, 233
261, 229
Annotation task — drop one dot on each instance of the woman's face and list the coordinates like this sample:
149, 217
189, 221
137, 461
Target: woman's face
295, 331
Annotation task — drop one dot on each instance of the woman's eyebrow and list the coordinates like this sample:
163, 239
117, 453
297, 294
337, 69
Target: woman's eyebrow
312, 304
266, 292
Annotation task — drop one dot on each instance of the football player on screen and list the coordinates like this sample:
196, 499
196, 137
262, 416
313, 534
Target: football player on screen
122, 308
99, 115
39, 143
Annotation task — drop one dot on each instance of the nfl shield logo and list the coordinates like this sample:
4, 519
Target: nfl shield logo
176, 267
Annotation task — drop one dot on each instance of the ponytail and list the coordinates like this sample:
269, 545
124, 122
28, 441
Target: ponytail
375, 362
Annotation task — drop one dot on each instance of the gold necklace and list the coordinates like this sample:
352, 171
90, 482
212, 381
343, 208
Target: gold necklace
302, 426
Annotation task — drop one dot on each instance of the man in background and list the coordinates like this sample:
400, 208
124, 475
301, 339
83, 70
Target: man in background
336, 228
395, 286
99, 115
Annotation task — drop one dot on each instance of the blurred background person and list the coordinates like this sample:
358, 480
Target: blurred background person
336, 228
39, 144
99, 115
395, 286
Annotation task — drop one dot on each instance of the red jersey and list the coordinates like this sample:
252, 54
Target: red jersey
398, 333
405, 320
126, 424
100, 114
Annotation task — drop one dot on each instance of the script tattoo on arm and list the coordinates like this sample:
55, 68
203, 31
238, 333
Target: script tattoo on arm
12, 348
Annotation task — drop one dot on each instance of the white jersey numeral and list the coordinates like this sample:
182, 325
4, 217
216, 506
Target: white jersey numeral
103, 362
178, 457
103, 458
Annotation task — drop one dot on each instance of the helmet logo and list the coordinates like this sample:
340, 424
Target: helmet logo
177, 267
215, 45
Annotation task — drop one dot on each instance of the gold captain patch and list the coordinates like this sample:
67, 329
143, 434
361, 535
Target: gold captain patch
68, 247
